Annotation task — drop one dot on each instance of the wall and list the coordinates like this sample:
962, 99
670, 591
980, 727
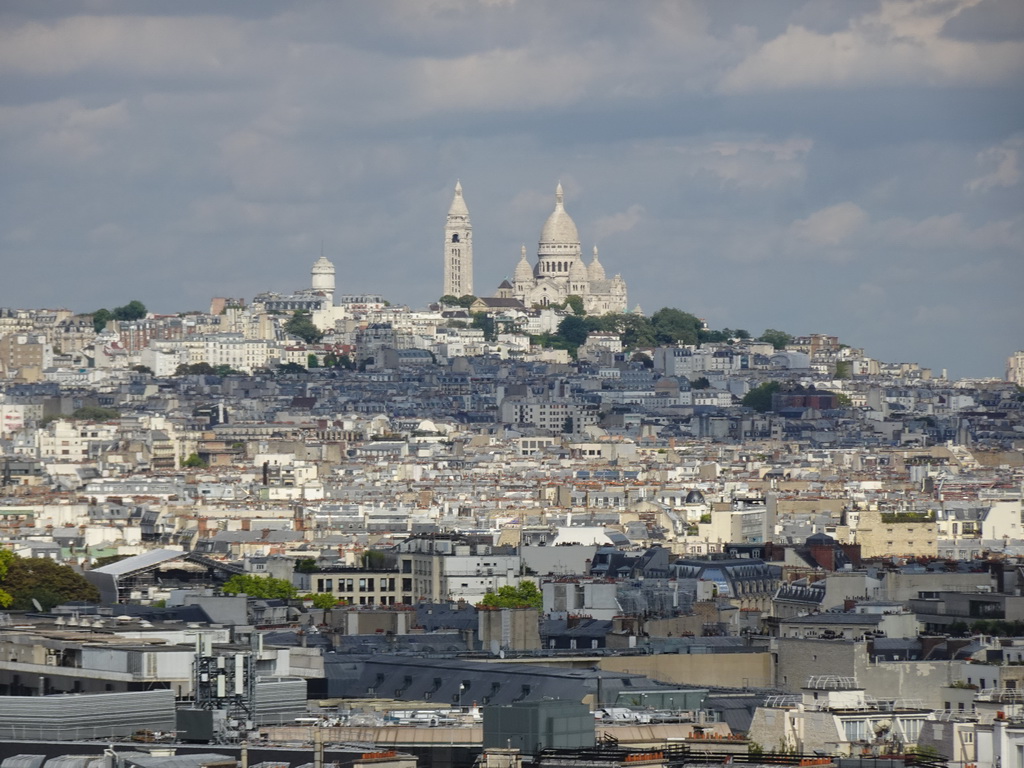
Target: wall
731, 670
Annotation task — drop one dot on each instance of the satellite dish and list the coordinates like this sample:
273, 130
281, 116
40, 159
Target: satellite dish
37, 605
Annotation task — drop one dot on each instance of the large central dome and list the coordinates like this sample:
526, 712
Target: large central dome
559, 228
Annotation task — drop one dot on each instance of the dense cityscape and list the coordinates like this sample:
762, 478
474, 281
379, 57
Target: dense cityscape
532, 526
512, 384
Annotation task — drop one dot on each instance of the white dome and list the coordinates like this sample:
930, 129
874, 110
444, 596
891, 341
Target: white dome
559, 228
578, 271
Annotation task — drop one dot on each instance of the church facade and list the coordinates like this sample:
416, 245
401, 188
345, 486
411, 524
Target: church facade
559, 271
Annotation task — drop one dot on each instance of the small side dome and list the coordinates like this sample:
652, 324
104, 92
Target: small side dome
523, 269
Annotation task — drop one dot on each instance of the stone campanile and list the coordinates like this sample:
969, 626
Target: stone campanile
458, 248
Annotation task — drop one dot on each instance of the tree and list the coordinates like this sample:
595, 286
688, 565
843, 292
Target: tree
449, 300
263, 587
322, 600
375, 560
526, 595
673, 326
844, 369
573, 330
466, 300
100, 318
568, 425
760, 397
643, 359
142, 369
311, 361
194, 369
700, 382
48, 582
133, 310
6, 557
193, 462
575, 303
485, 322
291, 368
778, 339
95, 413
300, 324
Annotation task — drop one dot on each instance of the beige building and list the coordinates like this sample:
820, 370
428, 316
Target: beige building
896, 533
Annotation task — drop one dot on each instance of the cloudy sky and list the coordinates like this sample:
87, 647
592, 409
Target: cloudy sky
850, 167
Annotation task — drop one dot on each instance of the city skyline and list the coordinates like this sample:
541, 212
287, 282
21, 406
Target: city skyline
850, 168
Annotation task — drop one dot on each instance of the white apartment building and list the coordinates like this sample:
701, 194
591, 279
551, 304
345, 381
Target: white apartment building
238, 352
71, 440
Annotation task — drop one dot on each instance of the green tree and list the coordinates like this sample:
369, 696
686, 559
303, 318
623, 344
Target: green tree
673, 326
263, 587
194, 369
100, 318
300, 324
575, 303
305, 565
568, 425
573, 330
449, 300
291, 368
48, 582
142, 369
643, 359
6, 558
526, 595
701, 382
375, 560
311, 361
778, 339
133, 310
485, 322
760, 397
322, 600
193, 462
95, 413
466, 300
844, 369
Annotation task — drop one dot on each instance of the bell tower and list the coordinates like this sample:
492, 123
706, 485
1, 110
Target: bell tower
458, 248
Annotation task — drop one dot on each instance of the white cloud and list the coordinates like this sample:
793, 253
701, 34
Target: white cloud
1006, 171
900, 43
830, 226
752, 164
64, 130
201, 45
951, 231
623, 221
